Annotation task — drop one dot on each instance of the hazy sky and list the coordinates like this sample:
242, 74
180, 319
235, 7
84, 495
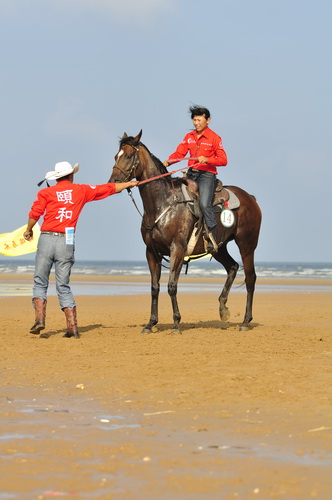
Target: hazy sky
76, 74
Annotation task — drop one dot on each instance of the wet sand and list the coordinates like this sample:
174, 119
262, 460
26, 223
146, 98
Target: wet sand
213, 413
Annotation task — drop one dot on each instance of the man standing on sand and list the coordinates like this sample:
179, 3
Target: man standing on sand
61, 206
206, 150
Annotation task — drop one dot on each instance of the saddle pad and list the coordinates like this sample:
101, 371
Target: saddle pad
233, 201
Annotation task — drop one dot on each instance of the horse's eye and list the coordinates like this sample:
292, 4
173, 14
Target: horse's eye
129, 156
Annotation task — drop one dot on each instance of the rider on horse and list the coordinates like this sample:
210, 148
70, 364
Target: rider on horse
206, 153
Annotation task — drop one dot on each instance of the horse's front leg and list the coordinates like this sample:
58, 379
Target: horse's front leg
176, 262
155, 272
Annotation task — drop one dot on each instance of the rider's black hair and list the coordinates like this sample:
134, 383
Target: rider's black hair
199, 111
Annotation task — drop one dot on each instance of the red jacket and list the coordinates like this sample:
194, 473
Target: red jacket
62, 204
209, 145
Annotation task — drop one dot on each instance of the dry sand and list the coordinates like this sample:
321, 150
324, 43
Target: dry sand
213, 413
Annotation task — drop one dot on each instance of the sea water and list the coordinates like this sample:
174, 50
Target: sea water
198, 268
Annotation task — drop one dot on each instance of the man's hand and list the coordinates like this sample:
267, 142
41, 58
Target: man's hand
120, 186
166, 163
28, 235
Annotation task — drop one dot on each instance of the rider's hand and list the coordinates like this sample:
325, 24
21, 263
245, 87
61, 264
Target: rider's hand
166, 163
202, 159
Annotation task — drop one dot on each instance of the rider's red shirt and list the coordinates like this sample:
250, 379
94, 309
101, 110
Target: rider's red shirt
62, 204
209, 145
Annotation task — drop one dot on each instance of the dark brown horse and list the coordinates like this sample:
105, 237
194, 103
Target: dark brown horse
168, 224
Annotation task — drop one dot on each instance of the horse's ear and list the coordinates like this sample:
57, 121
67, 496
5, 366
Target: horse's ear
124, 135
138, 137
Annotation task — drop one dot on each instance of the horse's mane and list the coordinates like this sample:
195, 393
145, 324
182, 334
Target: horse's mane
130, 141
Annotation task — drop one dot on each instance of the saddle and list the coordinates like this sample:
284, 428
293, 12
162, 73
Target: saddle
223, 197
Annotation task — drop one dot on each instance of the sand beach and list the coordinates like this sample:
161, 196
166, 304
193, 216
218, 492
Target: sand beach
213, 413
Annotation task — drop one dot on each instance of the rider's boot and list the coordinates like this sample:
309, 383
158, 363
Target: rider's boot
40, 315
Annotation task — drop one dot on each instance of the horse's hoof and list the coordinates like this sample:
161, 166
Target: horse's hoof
224, 315
243, 328
176, 331
146, 330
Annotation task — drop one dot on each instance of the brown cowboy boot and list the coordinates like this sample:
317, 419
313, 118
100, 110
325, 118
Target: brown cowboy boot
40, 315
71, 317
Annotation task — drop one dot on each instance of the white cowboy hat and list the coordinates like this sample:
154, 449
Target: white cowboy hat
62, 169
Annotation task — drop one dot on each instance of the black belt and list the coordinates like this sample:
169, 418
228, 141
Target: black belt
52, 233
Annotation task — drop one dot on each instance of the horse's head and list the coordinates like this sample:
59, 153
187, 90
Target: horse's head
127, 161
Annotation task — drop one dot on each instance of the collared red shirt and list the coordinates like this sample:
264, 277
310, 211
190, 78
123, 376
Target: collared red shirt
62, 204
209, 145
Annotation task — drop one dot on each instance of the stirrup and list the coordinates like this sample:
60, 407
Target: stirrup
212, 245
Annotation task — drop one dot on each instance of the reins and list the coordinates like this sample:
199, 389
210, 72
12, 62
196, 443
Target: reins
135, 163
170, 173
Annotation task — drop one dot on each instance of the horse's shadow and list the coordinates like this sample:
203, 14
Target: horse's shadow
201, 325
163, 328
82, 329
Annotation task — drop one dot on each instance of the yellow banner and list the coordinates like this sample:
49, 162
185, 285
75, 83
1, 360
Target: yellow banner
13, 244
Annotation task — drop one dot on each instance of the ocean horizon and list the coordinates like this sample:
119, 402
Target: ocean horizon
197, 268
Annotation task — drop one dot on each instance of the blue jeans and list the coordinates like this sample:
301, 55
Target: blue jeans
206, 182
54, 250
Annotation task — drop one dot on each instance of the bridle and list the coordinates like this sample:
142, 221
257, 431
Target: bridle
134, 166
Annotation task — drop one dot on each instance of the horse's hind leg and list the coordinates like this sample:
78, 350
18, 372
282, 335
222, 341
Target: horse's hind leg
250, 280
231, 267
155, 271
